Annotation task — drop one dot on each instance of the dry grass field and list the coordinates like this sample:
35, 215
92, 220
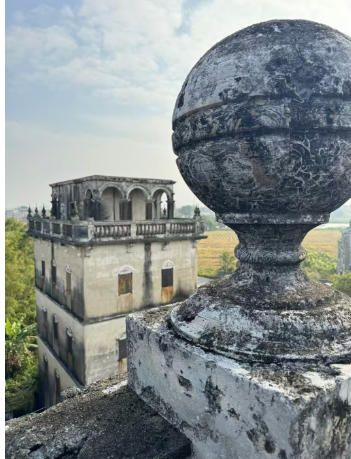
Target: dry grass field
218, 242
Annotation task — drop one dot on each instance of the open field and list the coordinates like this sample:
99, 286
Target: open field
221, 241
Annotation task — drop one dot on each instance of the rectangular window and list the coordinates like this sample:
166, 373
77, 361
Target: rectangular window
53, 277
69, 350
68, 282
167, 277
43, 274
122, 349
57, 388
55, 322
125, 283
45, 324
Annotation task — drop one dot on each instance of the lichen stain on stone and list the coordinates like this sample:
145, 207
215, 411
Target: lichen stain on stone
233, 414
186, 383
214, 396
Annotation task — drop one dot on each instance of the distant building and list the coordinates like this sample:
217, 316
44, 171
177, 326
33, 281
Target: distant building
344, 251
19, 213
109, 248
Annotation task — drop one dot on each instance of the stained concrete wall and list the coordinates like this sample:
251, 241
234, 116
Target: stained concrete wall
65, 321
145, 261
96, 318
102, 349
95, 346
47, 375
66, 257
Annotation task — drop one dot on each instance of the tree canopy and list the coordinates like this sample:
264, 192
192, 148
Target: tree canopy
21, 361
19, 272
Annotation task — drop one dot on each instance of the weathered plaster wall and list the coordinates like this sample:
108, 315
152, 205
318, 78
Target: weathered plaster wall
145, 261
66, 257
47, 378
65, 321
101, 280
101, 349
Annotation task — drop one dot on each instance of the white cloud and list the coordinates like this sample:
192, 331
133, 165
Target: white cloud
131, 51
134, 54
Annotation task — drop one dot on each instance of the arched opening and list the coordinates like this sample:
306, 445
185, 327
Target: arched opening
161, 205
138, 200
110, 204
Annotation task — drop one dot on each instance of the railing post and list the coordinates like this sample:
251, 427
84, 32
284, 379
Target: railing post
133, 229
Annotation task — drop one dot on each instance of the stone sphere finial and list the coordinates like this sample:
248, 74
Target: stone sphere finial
262, 123
262, 132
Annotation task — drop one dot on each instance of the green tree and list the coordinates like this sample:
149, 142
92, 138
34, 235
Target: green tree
186, 211
20, 341
227, 262
19, 273
342, 282
210, 223
21, 366
319, 265
21, 362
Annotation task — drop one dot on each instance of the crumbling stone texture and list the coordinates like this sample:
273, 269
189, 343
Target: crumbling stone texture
233, 410
103, 420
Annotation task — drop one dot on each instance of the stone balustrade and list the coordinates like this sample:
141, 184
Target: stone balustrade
104, 231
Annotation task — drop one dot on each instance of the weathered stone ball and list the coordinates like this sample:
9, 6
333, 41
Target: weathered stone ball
263, 121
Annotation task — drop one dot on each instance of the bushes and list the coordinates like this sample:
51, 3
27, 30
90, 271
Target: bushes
319, 265
342, 282
21, 365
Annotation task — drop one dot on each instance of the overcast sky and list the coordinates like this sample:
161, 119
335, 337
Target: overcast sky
91, 84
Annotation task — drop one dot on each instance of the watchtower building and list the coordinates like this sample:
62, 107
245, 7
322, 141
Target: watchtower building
110, 247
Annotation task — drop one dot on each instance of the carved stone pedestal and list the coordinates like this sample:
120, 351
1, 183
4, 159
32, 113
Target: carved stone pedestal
256, 365
234, 410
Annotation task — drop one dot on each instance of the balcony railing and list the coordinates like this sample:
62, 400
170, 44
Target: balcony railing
105, 231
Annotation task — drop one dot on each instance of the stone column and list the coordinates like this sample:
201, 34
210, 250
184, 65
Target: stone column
170, 208
258, 363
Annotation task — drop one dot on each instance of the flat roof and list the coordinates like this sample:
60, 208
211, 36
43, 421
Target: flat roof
109, 178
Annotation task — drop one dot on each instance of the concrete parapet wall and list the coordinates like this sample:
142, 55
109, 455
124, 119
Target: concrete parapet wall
232, 410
